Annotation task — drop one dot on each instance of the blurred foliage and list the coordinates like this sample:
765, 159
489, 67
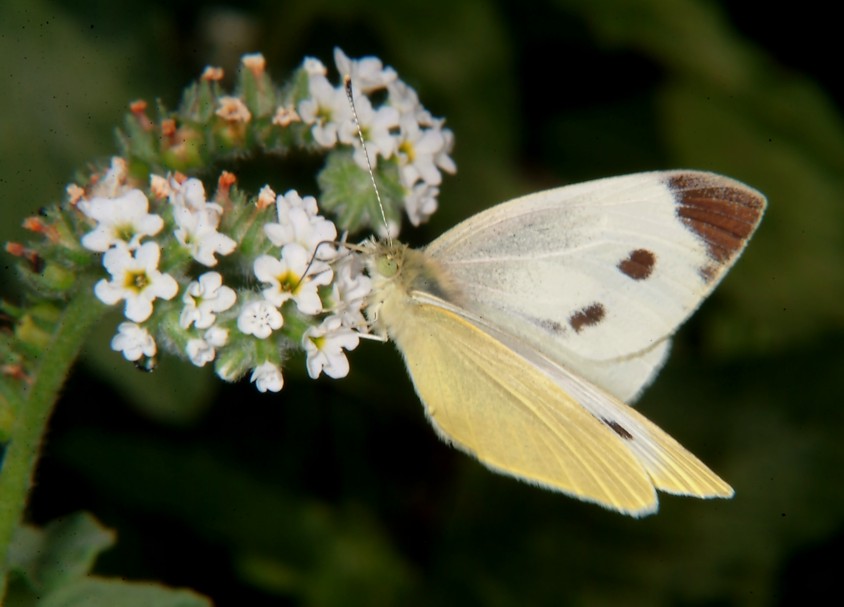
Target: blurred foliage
50, 569
338, 493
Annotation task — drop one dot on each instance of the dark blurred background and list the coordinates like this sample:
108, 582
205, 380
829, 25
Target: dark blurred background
338, 492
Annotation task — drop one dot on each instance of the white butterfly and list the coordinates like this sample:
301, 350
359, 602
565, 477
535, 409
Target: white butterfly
527, 327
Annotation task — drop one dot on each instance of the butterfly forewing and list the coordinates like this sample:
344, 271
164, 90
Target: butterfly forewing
597, 276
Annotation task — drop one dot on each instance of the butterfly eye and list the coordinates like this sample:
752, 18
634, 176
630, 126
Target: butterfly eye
387, 266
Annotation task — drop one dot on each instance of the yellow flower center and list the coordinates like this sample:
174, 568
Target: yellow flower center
406, 148
124, 232
289, 282
137, 281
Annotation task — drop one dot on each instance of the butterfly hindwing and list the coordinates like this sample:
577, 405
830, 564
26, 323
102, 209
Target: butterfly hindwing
670, 466
490, 402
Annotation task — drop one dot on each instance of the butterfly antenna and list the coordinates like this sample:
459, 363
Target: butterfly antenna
305, 275
347, 83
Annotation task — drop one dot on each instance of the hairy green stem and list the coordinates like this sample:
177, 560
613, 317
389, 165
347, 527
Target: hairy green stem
34, 411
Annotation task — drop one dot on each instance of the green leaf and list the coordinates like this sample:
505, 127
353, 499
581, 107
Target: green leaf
65, 550
54, 563
282, 542
100, 592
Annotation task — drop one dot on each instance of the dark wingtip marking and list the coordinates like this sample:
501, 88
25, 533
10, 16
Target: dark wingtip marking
722, 212
638, 265
709, 272
617, 428
587, 317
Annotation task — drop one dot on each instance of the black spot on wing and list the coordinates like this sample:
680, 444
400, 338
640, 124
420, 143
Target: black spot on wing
551, 325
638, 265
589, 316
617, 428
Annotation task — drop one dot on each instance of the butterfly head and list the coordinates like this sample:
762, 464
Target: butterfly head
384, 264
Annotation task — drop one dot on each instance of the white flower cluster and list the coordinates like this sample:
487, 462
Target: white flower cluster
400, 128
122, 221
307, 262
307, 271
211, 279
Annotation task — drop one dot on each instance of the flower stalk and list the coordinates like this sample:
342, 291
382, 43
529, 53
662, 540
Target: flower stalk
32, 412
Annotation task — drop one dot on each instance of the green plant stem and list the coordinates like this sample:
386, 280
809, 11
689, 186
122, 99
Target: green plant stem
33, 413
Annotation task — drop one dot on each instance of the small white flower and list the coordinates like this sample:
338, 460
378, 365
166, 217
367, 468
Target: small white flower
324, 346
405, 99
417, 151
326, 109
442, 159
204, 350
314, 67
421, 134
267, 377
198, 233
259, 318
367, 73
421, 202
351, 286
119, 220
299, 223
135, 278
292, 200
377, 127
203, 299
197, 222
190, 193
134, 341
287, 279
200, 352
113, 183
217, 336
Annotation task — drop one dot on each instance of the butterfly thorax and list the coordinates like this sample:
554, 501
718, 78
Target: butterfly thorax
400, 275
